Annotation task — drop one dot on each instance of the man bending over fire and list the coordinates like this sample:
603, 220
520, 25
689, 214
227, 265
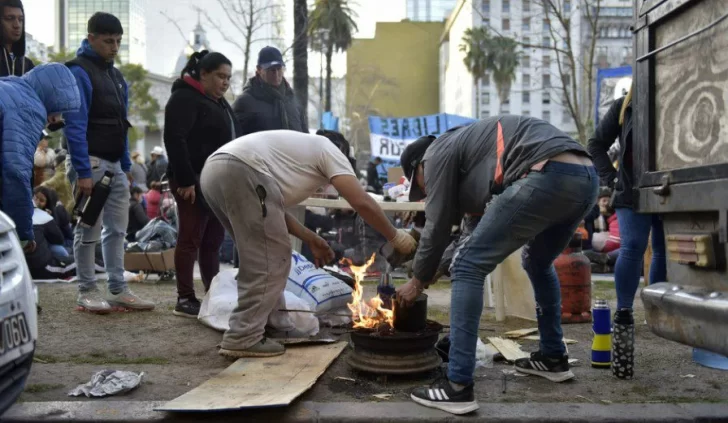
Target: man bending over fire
538, 184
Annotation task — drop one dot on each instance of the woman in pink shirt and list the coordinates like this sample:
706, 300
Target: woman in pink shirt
154, 197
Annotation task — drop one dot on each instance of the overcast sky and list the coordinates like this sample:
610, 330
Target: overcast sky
164, 43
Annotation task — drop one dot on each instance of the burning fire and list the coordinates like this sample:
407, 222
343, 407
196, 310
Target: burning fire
367, 314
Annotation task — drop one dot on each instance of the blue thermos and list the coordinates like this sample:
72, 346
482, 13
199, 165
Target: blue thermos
601, 354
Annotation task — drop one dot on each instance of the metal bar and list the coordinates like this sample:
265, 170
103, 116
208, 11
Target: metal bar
682, 39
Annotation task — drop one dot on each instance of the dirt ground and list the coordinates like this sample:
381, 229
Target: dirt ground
178, 354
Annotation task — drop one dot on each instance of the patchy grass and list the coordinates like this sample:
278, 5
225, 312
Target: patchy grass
603, 290
37, 388
98, 358
439, 314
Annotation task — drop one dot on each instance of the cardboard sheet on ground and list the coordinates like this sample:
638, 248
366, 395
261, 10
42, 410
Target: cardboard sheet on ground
260, 382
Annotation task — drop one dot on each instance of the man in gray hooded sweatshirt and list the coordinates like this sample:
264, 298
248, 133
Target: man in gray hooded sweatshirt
538, 184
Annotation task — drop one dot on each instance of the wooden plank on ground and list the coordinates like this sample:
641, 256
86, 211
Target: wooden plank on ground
537, 338
260, 382
511, 350
520, 333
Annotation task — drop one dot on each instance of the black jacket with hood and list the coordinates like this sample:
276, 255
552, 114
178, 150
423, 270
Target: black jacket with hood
195, 126
263, 107
18, 64
606, 132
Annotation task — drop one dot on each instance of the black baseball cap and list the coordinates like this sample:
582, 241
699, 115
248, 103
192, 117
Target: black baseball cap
410, 160
269, 57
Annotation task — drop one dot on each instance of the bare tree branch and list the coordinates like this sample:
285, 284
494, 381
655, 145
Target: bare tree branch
179, 29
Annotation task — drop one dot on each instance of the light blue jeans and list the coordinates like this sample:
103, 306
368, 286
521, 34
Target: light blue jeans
540, 211
110, 228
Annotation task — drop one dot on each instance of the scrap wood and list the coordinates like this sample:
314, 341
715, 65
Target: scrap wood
520, 333
510, 349
537, 338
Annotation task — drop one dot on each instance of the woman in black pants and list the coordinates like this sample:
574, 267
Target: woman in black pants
197, 121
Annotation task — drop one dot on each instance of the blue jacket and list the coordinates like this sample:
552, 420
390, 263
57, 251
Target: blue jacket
77, 123
25, 104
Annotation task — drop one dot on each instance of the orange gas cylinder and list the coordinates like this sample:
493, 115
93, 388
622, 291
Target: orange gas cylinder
574, 271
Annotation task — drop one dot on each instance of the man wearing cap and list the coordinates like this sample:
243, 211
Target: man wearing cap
538, 184
157, 166
268, 101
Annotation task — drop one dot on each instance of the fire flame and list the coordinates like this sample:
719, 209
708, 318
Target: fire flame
367, 314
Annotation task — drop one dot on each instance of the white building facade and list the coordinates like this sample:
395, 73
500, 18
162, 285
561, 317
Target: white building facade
35, 49
429, 10
536, 90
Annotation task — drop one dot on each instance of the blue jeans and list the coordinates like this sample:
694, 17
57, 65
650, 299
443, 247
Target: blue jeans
59, 251
114, 220
634, 230
540, 211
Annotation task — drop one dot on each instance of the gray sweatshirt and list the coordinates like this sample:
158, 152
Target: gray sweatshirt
461, 174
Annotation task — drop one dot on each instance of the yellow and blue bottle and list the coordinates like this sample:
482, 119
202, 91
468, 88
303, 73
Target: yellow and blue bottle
601, 354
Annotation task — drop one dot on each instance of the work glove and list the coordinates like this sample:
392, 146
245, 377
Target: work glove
403, 242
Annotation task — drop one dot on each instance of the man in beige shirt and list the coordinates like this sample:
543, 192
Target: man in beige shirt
249, 183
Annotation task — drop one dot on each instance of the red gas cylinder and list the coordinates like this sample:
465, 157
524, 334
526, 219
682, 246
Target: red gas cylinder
574, 271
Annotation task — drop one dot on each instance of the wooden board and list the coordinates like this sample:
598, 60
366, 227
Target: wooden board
511, 350
260, 382
538, 338
519, 333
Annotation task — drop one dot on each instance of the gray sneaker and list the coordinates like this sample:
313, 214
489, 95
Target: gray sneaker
265, 348
93, 302
129, 301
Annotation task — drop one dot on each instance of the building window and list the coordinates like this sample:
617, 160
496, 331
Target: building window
526, 26
545, 98
485, 81
486, 22
547, 115
546, 81
526, 5
526, 97
567, 6
546, 41
484, 114
526, 61
484, 98
546, 25
546, 61
526, 112
527, 40
526, 80
486, 6
506, 25
566, 79
565, 116
506, 6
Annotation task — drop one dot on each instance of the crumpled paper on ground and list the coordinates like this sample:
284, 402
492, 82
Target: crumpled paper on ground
108, 382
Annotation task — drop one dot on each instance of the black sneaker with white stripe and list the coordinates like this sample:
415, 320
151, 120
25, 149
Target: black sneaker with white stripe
553, 369
443, 396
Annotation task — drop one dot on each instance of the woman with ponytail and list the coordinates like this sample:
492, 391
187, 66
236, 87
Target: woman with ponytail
197, 121
634, 227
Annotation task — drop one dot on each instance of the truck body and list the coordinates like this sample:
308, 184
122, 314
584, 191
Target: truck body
680, 157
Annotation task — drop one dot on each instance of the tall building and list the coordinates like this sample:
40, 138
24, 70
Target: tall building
429, 10
536, 89
73, 16
35, 49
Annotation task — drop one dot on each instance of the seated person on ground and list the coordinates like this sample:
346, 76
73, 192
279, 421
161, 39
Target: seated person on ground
46, 199
137, 215
41, 262
606, 236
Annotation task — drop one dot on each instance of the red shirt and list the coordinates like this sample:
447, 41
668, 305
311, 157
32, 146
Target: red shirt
154, 197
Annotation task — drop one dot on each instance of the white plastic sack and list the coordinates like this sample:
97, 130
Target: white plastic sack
220, 301
317, 287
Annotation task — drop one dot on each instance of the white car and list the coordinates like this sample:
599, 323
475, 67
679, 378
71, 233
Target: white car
18, 316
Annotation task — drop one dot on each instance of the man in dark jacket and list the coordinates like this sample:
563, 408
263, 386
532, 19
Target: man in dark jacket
98, 143
41, 261
157, 166
12, 39
137, 215
268, 101
373, 180
545, 184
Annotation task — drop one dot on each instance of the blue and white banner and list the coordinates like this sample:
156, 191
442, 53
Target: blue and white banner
612, 84
390, 136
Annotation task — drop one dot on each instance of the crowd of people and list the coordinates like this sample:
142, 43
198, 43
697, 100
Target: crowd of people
237, 168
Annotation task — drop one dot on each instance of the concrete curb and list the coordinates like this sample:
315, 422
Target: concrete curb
143, 411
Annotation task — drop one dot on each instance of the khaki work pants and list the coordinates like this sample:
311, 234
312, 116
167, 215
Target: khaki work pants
250, 206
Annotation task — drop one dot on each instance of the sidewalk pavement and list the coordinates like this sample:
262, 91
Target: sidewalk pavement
348, 412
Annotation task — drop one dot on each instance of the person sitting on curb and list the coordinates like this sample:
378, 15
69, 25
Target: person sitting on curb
538, 184
138, 218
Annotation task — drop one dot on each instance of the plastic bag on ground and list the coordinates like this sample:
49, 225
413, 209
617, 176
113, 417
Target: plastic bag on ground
108, 382
220, 301
484, 355
322, 291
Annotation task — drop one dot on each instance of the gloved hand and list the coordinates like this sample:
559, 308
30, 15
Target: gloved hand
403, 242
